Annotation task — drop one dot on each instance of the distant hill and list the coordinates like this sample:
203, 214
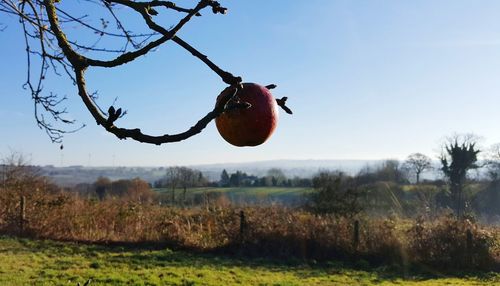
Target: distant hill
72, 175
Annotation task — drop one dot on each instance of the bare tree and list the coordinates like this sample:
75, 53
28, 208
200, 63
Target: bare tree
50, 48
418, 163
493, 162
102, 187
173, 180
277, 176
459, 156
16, 173
487, 201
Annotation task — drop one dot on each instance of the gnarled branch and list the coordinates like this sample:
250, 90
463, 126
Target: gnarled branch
44, 21
81, 63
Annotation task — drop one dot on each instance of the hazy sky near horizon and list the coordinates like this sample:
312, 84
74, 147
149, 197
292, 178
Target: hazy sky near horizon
365, 79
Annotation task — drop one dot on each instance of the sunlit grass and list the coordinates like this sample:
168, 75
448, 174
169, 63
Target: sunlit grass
29, 262
247, 191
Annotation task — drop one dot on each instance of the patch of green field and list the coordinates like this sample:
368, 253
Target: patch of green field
247, 191
29, 262
410, 188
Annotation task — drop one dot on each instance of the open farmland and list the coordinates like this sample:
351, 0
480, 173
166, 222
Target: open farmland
248, 194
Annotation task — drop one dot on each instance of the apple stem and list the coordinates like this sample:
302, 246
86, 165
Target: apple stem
237, 105
281, 102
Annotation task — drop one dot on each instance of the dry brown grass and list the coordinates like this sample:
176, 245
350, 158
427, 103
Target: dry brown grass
267, 231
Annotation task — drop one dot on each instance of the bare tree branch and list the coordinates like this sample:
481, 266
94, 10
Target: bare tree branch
42, 22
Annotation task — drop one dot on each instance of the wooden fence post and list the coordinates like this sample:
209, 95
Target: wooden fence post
355, 240
243, 224
22, 215
206, 200
469, 246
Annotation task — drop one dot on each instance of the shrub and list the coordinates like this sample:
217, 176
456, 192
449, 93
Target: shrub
449, 242
263, 231
334, 193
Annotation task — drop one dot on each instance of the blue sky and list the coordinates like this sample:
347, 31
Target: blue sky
365, 79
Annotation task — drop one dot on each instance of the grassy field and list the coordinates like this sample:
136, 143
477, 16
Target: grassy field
249, 191
29, 262
246, 193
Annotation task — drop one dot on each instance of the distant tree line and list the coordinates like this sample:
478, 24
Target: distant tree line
103, 188
391, 187
398, 188
274, 178
181, 178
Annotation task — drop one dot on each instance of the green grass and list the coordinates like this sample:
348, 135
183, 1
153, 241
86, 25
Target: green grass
254, 192
29, 262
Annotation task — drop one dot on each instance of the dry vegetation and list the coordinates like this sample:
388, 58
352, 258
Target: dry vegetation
128, 212
274, 231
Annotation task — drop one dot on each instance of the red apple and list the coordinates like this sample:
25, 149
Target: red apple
251, 126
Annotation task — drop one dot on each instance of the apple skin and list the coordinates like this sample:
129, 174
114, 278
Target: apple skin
251, 126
